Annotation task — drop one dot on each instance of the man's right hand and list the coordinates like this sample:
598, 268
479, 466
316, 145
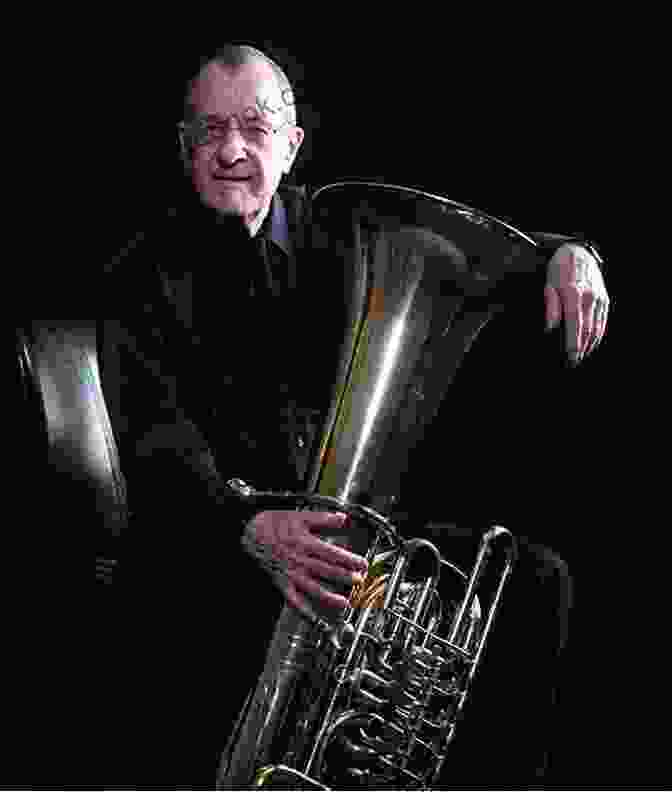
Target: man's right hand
283, 542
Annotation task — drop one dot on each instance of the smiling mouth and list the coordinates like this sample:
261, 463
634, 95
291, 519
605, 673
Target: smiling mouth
226, 185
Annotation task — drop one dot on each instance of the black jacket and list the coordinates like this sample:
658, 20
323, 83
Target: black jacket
236, 388
234, 391
186, 419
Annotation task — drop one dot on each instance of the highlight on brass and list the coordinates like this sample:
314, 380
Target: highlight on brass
374, 701
370, 593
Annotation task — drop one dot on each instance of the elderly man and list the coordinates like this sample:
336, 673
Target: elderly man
191, 403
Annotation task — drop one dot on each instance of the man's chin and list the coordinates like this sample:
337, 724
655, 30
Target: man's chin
232, 199
229, 211
231, 204
237, 203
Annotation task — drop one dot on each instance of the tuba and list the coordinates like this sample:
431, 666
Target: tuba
373, 702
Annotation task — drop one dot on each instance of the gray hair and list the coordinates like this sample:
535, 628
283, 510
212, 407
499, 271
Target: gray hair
233, 56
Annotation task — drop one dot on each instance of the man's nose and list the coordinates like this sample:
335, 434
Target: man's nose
232, 147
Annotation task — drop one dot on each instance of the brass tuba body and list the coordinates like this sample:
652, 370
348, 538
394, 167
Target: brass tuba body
373, 702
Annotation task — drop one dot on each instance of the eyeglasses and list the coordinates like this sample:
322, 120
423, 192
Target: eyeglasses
206, 131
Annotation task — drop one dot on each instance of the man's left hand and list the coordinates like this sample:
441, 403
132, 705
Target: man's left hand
575, 291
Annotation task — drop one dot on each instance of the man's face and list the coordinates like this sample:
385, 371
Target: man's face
246, 143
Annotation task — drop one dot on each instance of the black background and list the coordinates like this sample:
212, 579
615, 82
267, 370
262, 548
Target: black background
520, 125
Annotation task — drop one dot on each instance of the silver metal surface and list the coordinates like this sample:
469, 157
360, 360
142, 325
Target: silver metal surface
375, 701
81, 443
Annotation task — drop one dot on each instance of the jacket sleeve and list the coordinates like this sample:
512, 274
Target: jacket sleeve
180, 508
548, 243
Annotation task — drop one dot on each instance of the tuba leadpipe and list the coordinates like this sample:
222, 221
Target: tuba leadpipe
374, 700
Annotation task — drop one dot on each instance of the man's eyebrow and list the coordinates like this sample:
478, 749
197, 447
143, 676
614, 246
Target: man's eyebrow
246, 115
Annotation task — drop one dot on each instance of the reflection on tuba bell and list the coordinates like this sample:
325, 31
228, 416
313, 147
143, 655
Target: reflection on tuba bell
374, 701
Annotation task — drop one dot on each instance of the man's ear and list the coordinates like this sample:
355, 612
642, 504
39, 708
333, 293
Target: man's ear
295, 140
185, 155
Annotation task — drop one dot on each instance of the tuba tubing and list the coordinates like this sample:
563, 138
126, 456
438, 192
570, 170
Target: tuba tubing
374, 700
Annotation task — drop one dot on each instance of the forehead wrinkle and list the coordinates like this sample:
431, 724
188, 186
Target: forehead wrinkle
235, 90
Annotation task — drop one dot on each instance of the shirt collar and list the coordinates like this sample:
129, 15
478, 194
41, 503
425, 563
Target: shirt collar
276, 226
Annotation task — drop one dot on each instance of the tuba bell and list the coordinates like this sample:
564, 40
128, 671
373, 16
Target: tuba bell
373, 702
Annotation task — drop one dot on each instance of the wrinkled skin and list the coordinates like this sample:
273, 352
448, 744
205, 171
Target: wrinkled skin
575, 291
287, 546
239, 174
